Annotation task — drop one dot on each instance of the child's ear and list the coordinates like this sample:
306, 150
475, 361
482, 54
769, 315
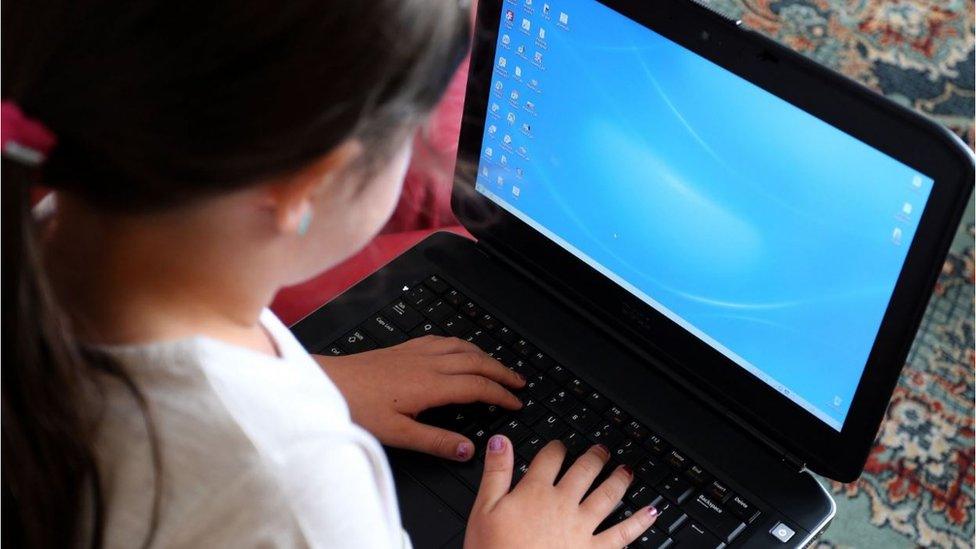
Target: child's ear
291, 198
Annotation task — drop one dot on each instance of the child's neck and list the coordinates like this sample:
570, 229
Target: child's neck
158, 277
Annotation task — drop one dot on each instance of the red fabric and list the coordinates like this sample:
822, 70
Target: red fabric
293, 303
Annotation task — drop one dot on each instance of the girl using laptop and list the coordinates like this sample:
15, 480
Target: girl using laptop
203, 156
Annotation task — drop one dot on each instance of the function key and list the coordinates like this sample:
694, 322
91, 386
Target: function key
424, 329
457, 326
435, 283
596, 401
678, 460
505, 335
487, 322
523, 348
356, 341
438, 310
656, 444
694, 535
579, 388
404, 316
675, 488
617, 416
333, 350
697, 475
636, 431
454, 297
556, 372
470, 310
719, 491
418, 295
742, 508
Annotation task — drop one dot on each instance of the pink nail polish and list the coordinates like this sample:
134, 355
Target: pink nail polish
496, 444
464, 450
653, 511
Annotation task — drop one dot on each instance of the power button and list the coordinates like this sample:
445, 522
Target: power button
782, 532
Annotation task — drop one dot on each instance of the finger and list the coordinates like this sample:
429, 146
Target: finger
478, 363
584, 471
607, 495
546, 464
414, 435
425, 342
497, 477
628, 530
451, 345
465, 388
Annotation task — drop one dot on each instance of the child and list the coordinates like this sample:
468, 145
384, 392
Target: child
203, 156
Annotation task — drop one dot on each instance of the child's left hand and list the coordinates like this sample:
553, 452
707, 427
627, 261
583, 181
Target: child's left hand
387, 388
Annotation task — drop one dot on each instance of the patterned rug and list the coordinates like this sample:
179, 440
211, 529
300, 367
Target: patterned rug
917, 488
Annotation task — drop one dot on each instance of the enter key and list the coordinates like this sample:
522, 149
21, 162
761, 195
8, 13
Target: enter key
714, 517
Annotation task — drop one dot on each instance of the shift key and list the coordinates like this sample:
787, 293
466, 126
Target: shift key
713, 517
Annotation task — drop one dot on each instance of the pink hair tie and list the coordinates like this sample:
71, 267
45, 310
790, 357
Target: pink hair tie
24, 139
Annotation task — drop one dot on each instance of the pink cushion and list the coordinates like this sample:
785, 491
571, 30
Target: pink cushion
293, 303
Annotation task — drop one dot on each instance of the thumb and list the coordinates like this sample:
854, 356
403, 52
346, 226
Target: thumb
413, 435
497, 478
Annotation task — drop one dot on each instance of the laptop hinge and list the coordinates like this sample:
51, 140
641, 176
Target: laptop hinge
790, 461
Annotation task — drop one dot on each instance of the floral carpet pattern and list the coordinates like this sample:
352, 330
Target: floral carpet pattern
917, 488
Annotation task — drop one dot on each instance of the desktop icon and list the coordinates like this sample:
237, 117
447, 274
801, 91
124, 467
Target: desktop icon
528, 3
492, 129
896, 235
526, 25
507, 139
503, 160
510, 16
530, 106
510, 118
515, 95
500, 180
499, 86
484, 172
495, 107
526, 128
563, 18
917, 182
522, 151
518, 172
516, 191
521, 50
546, 8
906, 208
502, 62
542, 34
837, 401
518, 71
537, 57
489, 152
506, 39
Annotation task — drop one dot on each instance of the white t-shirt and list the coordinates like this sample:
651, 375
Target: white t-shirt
257, 451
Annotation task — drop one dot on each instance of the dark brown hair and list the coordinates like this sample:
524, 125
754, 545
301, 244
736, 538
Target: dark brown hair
157, 104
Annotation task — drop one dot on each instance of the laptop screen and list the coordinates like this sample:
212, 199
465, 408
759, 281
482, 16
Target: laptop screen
769, 234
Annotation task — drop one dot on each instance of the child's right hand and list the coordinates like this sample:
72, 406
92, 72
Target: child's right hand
538, 512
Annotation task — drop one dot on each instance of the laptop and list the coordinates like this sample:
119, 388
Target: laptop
701, 249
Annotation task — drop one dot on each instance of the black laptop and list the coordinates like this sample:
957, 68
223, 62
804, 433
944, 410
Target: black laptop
703, 251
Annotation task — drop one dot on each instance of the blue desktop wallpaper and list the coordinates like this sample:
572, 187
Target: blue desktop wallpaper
771, 235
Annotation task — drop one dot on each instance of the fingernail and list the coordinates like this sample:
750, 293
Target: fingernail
521, 377
628, 470
496, 444
653, 511
604, 448
464, 450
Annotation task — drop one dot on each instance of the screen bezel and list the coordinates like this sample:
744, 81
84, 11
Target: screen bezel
888, 127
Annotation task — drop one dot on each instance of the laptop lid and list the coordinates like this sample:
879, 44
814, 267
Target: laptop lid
768, 229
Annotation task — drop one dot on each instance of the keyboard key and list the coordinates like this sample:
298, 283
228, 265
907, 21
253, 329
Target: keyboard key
531, 411
506, 335
582, 418
617, 416
549, 427
678, 460
520, 469
523, 348
453, 418
671, 516
575, 443
636, 431
742, 508
404, 316
479, 437
333, 350
543, 362
718, 491
470, 310
503, 355
596, 401
651, 470
698, 476
481, 338
383, 331
640, 494
356, 341
515, 430
454, 298
605, 434
425, 329
707, 512
530, 447
579, 388
457, 326
656, 445
693, 536
675, 488
487, 322
519, 365
417, 296
560, 402
439, 311
539, 386
629, 453
652, 539
435, 283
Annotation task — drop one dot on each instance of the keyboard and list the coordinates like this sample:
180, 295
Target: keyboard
697, 510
